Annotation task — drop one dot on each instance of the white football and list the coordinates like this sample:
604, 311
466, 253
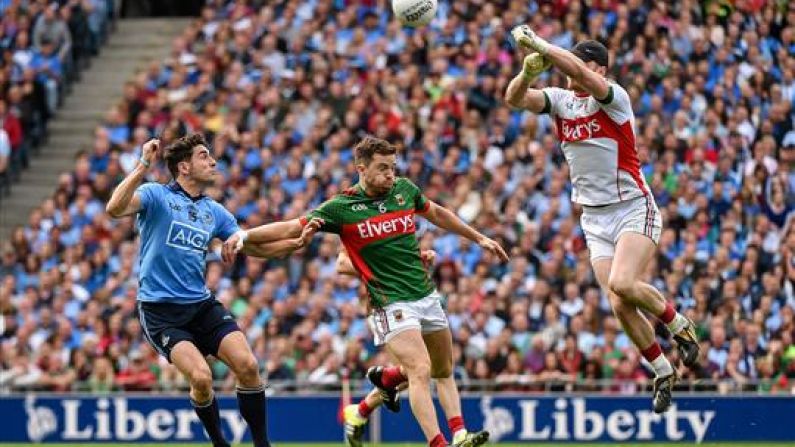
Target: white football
414, 12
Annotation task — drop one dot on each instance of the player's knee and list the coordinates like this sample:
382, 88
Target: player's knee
420, 372
247, 371
201, 380
621, 286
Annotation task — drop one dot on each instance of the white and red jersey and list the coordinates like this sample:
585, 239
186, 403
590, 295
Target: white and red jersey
598, 140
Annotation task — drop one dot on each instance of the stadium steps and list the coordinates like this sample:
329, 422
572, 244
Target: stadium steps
132, 47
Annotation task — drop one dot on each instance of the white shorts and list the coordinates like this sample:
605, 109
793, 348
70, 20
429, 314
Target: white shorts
426, 315
604, 225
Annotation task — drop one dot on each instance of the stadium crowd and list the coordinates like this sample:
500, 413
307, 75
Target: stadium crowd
282, 90
43, 47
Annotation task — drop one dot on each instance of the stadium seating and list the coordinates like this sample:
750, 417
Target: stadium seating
282, 92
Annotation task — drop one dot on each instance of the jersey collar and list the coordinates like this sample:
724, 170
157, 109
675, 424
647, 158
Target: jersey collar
177, 188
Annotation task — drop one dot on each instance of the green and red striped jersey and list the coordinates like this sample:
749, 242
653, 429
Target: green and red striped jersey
378, 233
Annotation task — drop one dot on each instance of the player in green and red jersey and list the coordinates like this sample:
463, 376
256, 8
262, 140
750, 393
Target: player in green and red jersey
376, 222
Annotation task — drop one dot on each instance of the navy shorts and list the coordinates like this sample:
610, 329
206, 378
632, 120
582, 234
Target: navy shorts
204, 324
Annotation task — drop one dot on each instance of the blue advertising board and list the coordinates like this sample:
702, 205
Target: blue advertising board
111, 418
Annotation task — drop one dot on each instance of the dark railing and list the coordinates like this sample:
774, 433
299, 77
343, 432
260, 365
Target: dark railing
513, 385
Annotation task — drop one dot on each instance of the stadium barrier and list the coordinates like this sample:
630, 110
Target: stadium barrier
525, 418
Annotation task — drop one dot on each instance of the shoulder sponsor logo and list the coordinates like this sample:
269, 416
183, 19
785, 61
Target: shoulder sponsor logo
400, 200
186, 237
174, 206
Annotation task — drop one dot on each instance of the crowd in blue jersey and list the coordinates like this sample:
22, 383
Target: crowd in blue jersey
282, 90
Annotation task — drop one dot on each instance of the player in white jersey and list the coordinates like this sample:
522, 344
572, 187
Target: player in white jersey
595, 124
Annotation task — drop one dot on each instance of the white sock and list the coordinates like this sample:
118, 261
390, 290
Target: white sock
677, 324
662, 367
459, 433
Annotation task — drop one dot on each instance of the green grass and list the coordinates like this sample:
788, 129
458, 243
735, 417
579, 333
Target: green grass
670, 444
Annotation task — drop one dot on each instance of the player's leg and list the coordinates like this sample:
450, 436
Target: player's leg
191, 363
409, 349
355, 417
235, 352
160, 323
632, 255
641, 332
389, 380
440, 348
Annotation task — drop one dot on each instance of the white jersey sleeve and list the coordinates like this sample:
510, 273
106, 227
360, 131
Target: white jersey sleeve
554, 97
617, 105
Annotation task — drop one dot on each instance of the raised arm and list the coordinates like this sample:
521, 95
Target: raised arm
564, 60
124, 200
447, 220
519, 95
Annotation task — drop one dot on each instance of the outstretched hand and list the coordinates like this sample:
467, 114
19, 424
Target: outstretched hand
528, 40
309, 230
495, 248
232, 246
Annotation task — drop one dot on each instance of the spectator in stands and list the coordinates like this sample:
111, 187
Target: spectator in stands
283, 92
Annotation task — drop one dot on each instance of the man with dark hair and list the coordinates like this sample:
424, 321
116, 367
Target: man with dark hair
179, 315
376, 222
622, 224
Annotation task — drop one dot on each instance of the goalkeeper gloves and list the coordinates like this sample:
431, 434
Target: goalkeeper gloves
527, 39
534, 64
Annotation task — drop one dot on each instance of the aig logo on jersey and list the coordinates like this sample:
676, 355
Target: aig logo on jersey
186, 237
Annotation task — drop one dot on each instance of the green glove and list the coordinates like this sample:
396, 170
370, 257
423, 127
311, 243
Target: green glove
534, 64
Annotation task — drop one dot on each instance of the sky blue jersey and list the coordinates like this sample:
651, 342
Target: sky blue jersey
176, 230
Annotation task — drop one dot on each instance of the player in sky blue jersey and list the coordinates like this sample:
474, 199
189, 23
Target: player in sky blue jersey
179, 315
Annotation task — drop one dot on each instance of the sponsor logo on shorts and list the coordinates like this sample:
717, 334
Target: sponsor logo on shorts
398, 315
186, 237
164, 340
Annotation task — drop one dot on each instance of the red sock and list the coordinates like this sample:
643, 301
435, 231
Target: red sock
652, 352
364, 409
438, 441
668, 314
392, 377
455, 424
